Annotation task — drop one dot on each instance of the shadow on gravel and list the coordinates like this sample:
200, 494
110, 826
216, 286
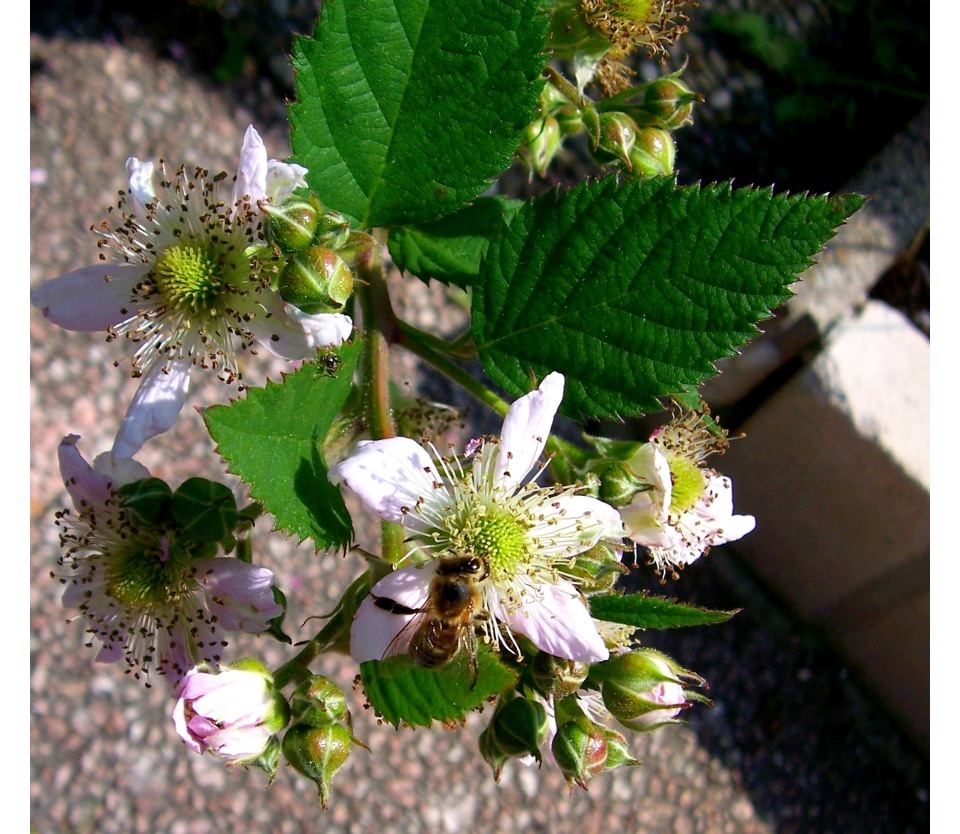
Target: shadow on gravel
790, 721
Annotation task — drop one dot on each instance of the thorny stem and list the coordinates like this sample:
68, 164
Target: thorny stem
379, 324
334, 635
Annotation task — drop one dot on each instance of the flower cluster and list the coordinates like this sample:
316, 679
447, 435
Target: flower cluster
148, 592
683, 507
185, 277
486, 506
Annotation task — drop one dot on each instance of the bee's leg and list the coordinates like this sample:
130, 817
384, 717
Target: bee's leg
474, 669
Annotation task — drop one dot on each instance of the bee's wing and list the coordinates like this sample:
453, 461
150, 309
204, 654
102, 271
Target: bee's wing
400, 644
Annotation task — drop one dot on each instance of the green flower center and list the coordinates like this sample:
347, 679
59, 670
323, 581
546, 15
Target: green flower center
141, 579
500, 539
688, 483
189, 277
636, 10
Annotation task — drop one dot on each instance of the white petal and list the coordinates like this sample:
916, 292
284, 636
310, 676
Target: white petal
91, 298
120, 471
322, 329
283, 178
252, 170
291, 334
736, 527
525, 431
86, 487
651, 466
374, 629
389, 476
587, 520
140, 176
154, 407
556, 620
645, 522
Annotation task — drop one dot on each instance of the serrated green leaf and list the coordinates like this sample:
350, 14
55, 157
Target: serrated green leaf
400, 692
450, 249
406, 109
633, 292
644, 611
273, 440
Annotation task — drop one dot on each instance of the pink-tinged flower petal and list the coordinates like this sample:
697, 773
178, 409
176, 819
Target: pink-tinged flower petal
374, 629
239, 594
120, 471
154, 407
201, 727
556, 620
87, 487
241, 699
91, 298
283, 178
588, 519
140, 176
239, 744
526, 428
180, 723
173, 651
109, 652
669, 694
252, 170
388, 476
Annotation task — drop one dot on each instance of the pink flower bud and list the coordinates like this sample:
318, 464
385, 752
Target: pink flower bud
233, 714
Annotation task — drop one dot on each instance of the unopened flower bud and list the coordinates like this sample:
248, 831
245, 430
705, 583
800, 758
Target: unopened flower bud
519, 727
580, 750
667, 103
542, 139
491, 753
618, 754
598, 569
654, 153
319, 701
292, 225
318, 753
233, 713
618, 484
317, 281
558, 676
618, 133
642, 689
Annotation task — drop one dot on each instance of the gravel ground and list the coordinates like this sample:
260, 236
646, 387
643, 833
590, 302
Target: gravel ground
790, 746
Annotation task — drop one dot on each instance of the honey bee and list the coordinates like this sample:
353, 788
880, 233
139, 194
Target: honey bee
447, 621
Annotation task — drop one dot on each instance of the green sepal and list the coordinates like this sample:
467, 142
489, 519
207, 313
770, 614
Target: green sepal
276, 624
147, 500
204, 510
647, 611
